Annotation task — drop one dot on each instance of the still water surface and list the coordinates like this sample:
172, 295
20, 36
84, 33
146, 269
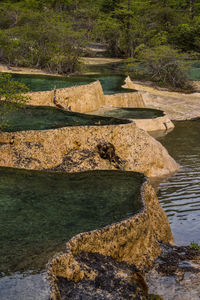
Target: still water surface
40, 211
46, 117
180, 194
134, 113
111, 84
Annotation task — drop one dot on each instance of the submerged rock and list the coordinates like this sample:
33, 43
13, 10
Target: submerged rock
176, 274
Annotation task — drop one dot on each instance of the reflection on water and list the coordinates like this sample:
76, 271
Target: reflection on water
40, 211
180, 194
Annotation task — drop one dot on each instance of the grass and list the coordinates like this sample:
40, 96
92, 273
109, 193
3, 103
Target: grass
194, 246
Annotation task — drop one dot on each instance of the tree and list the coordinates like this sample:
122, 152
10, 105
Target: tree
11, 96
162, 65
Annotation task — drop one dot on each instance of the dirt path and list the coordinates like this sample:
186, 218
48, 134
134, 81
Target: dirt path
22, 70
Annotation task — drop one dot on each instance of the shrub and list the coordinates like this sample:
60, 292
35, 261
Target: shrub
161, 64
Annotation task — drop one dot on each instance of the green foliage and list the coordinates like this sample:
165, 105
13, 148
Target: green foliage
11, 96
161, 64
52, 34
55, 45
155, 297
183, 36
194, 246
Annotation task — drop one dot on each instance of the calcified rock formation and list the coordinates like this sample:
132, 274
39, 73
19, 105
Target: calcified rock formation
86, 98
113, 280
134, 241
75, 149
89, 98
178, 106
159, 123
125, 100
155, 123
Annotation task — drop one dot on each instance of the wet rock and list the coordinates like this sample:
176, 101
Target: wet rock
113, 280
176, 274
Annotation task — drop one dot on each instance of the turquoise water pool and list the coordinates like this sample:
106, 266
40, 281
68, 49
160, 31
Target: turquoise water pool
134, 113
111, 84
46, 117
40, 211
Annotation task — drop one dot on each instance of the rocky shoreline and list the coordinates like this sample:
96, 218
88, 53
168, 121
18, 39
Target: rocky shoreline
178, 106
176, 273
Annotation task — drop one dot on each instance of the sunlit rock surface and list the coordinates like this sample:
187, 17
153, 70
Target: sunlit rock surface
85, 98
112, 280
178, 106
75, 148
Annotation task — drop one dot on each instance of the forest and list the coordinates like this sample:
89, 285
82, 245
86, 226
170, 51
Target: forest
54, 34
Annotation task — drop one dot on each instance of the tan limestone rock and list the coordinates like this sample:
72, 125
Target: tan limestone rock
76, 149
134, 241
178, 106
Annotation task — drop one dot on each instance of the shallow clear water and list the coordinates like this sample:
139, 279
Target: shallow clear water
40, 211
134, 113
44, 117
194, 71
180, 194
45, 83
110, 83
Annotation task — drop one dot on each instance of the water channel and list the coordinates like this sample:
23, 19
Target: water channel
134, 113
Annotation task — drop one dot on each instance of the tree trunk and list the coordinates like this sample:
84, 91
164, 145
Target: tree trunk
192, 8
128, 38
190, 4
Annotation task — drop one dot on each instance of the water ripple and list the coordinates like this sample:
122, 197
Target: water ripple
180, 194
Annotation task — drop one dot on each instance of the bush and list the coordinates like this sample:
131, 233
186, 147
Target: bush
11, 96
161, 64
